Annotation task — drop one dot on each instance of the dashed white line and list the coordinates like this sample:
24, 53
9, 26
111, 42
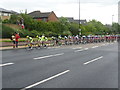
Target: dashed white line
86, 48
95, 46
77, 48
81, 50
103, 44
6, 64
48, 56
45, 80
93, 60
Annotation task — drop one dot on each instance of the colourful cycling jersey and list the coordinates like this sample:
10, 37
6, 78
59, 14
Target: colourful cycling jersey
43, 38
30, 39
38, 38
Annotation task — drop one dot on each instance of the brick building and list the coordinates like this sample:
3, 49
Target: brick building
46, 16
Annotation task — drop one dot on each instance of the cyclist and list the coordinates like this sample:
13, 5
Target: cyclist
66, 41
38, 40
46, 41
53, 40
29, 41
43, 40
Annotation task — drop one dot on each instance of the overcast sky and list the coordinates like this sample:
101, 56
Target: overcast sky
101, 10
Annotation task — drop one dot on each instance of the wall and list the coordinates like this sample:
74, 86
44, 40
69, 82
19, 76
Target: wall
52, 17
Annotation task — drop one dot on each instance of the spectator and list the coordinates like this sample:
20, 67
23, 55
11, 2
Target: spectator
16, 39
13, 40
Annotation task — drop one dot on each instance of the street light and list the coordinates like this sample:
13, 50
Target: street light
112, 18
80, 31
112, 23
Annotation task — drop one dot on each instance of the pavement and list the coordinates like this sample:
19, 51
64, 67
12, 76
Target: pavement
76, 66
10, 47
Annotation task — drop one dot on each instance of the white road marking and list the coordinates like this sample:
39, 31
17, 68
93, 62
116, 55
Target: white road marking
81, 50
53, 47
86, 48
45, 80
6, 64
107, 43
93, 60
103, 44
49, 56
95, 46
77, 48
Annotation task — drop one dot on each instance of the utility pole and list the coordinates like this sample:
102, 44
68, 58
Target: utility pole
112, 18
80, 32
112, 23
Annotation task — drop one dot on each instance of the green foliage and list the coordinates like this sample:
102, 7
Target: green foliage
13, 19
5, 21
7, 31
74, 27
115, 28
96, 28
66, 33
63, 27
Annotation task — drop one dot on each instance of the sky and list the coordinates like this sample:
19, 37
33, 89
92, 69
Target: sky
104, 11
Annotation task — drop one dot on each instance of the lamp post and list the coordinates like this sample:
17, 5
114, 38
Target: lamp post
112, 18
80, 31
112, 22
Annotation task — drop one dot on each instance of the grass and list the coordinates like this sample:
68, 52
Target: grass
20, 40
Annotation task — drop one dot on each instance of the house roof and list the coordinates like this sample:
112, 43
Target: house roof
81, 21
37, 14
4, 10
70, 19
7, 11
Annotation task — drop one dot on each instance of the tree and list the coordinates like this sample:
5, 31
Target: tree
74, 27
13, 19
115, 28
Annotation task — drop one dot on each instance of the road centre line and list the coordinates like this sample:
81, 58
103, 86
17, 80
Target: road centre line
45, 80
6, 64
93, 60
48, 56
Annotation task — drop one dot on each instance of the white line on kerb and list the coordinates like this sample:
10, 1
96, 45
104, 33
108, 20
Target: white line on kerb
45, 80
1, 65
93, 60
48, 56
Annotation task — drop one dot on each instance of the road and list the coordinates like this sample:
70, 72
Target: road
84, 66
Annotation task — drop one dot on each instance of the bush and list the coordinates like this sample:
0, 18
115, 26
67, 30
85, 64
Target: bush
34, 33
6, 21
7, 31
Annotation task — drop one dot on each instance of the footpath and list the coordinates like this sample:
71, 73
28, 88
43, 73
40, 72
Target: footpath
10, 47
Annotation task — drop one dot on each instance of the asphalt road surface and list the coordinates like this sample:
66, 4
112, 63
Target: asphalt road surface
84, 66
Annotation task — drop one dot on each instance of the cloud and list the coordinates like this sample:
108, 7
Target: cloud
101, 10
